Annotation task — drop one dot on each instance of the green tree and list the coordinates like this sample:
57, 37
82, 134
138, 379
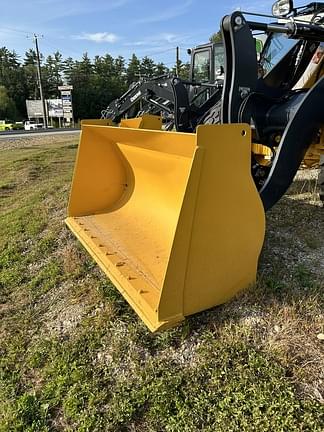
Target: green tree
147, 67
96, 82
80, 77
11, 77
7, 105
133, 69
160, 69
30, 74
68, 68
183, 68
216, 37
119, 79
52, 75
104, 83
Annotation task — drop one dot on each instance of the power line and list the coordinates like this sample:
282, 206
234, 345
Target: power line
159, 52
14, 30
67, 52
39, 73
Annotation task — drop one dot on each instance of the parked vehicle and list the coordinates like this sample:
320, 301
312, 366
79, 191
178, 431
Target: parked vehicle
18, 126
5, 125
32, 125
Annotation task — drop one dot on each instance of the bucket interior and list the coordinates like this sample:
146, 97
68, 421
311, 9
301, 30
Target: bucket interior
126, 198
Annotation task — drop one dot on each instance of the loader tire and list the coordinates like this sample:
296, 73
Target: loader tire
213, 116
321, 179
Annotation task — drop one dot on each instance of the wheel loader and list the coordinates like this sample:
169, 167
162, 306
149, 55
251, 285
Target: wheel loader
175, 215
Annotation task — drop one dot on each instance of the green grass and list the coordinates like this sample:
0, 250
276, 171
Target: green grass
74, 357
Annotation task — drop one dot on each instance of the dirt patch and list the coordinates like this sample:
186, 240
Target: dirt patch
37, 141
295, 229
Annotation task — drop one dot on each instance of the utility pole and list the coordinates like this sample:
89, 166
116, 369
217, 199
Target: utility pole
39, 74
177, 61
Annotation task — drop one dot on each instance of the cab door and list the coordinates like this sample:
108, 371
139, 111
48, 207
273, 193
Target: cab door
201, 72
201, 64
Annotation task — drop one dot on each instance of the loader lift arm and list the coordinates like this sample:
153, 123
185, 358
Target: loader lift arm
266, 102
142, 90
293, 118
167, 95
164, 94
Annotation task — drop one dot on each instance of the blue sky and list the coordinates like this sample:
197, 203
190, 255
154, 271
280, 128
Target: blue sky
117, 27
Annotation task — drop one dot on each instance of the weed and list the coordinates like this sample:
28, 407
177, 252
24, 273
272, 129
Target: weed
75, 357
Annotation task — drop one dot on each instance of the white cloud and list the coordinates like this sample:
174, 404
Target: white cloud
162, 43
170, 37
168, 14
159, 40
99, 37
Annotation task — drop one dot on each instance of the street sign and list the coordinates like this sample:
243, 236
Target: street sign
65, 87
66, 98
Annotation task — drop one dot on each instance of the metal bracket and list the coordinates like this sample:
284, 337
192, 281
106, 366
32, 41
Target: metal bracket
241, 68
294, 143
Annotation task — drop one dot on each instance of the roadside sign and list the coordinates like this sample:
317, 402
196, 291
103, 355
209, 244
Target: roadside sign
65, 87
55, 108
34, 108
66, 98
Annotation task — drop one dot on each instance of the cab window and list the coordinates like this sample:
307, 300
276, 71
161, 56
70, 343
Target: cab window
219, 60
201, 69
276, 48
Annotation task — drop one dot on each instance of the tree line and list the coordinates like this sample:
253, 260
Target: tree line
96, 82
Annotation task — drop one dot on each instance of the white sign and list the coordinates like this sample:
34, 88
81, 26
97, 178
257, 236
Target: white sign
66, 98
55, 108
34, 108
65, 87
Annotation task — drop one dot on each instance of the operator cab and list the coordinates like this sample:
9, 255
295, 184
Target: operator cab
207, 63
207, 67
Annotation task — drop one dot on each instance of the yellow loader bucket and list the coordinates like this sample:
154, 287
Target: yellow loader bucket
147, 121
173, 219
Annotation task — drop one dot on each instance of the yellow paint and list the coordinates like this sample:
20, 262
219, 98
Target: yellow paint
173, 229
313, 154
147, 121
262, 154
97, 122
